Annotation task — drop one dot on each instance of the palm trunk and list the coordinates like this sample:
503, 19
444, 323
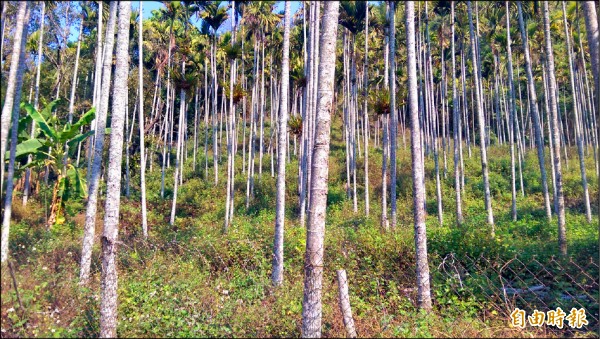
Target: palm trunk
465, 103
455, 126
195, 150
11, 90
110, 234
141, 126
26, 190
480, 118
562, 233
512, 109
90, 215
231, 139
97, 91
72, 97
353, 117
213, 67
251, 143
550, 142
315, 236
434, 116
534, 112
128, 145
384, 180
305, 102
206, 98
10, 113
385, 119
591, 25
393, 115
262, 108
166, 155
346, 108
345, 304
365, 111
277, 276
179, 156
422, 269
578, 132
314, 83
2, 29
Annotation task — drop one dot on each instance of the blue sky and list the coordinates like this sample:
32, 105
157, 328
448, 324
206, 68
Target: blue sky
149, 6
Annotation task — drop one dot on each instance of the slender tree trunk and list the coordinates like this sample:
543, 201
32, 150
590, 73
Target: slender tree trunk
165, 138
110, 234
214, 108
128, 145
562, 233
230, 143
206, 98
272, 129
422, 270
262, 108
314, 79
97, 92
315, 235
166, 155
456, 125
26, 190
10, 113
347, 113
384, 180
534, 111
72, 97
591, 25
385, 122
345, 304
179, 156
195, 151
434, 117
480, 118
393, 114
512, 110
11, 90
464, 94
2, 28
90, 215
141, 125
550, 142
578, 129
353, 118
365, 111
461, 115
253, 116
521, 146
305, 103
277, 277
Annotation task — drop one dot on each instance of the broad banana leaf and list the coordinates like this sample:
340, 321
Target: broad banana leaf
47, 111
23, 131
39, 119
79, 138
26, 147
76, 186
71, 131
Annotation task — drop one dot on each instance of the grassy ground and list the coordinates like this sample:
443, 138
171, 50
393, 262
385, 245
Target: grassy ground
192, 280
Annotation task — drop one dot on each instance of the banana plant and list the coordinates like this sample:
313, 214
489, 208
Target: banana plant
49, 147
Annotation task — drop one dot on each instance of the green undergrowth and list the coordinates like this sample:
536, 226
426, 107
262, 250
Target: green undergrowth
192, 280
